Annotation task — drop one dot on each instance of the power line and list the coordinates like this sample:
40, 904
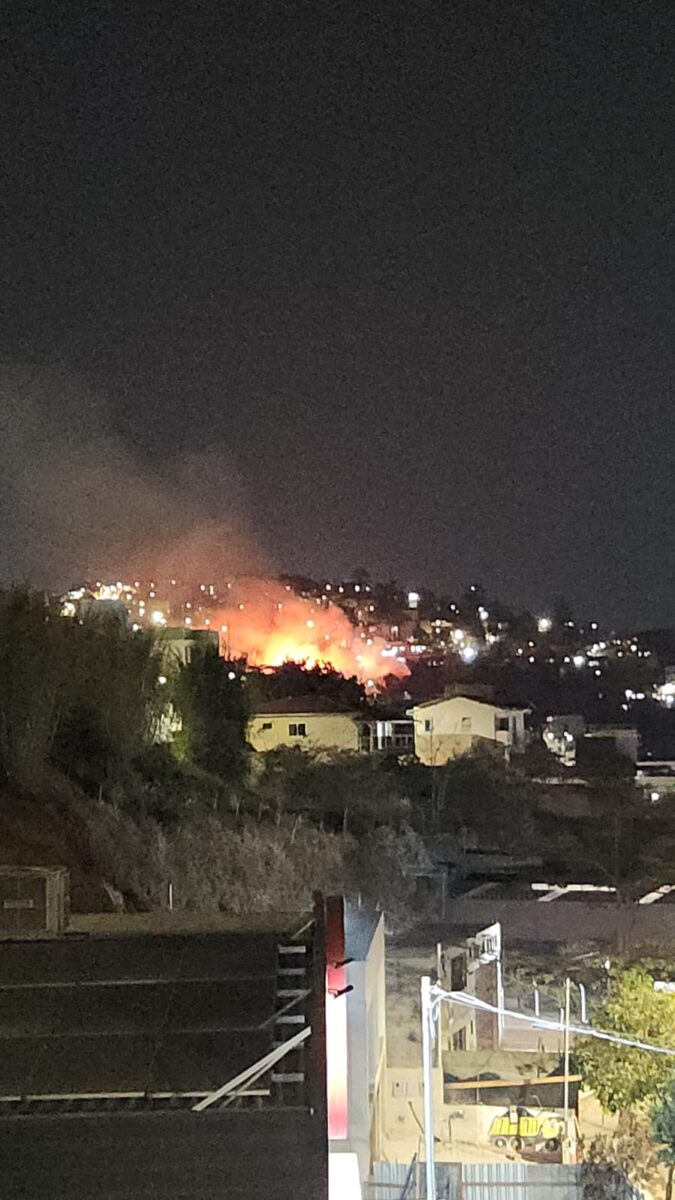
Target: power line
439, 994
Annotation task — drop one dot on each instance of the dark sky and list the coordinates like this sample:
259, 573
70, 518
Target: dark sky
408, 268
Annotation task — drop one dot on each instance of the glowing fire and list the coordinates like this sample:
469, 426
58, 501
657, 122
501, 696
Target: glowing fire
270, 625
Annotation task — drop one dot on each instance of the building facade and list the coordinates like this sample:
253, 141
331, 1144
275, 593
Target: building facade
313, 723
307, 722
452, 725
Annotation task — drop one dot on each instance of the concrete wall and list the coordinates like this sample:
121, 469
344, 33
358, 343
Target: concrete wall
366, 1051
325, 731
571, 920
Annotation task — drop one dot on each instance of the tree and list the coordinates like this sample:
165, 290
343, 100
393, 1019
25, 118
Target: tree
210, 700
390, 601
612, 1165
478, 792
114, 700
663, 1132
33, 675
621, 1076
293, 679
336, 789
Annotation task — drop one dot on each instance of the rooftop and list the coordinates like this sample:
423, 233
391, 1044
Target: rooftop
145, 1018
474, 700
301, 706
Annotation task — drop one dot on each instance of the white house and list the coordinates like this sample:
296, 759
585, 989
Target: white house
452, 725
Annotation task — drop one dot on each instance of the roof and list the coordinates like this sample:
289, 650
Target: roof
302, 706
107, 1044
474, 700
140, 1017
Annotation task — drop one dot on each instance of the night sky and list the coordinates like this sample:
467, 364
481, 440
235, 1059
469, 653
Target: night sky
406, 271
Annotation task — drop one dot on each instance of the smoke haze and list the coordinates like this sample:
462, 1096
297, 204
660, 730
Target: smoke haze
78, 503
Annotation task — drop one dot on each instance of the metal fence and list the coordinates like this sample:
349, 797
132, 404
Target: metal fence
483, 1181
520, 1181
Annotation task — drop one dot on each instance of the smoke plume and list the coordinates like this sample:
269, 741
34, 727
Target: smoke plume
78, 503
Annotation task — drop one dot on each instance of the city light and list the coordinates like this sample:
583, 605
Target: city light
544, 624
468, 653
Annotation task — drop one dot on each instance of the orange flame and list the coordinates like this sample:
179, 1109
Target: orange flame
270, 625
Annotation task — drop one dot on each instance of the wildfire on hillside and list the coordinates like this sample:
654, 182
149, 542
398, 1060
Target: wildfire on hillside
262, 620
270, 625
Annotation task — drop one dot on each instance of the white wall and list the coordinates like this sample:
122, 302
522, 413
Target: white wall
366, 1050
450, 727
324, 731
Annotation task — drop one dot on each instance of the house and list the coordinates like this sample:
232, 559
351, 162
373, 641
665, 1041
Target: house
310, 722
317, 723
452, 725
178, 643
470, 965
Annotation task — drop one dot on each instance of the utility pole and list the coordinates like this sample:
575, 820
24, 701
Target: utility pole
427, 1072
566, 1055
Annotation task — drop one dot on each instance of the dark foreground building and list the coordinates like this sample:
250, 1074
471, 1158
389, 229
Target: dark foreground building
142, 1066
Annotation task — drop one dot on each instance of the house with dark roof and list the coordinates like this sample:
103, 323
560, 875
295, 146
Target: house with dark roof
317, 723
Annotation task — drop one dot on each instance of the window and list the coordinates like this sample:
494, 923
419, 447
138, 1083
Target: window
502, 724
266, 725
428, 726
399, 1087
458, 973
466, 724
299, 730
459, 1040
